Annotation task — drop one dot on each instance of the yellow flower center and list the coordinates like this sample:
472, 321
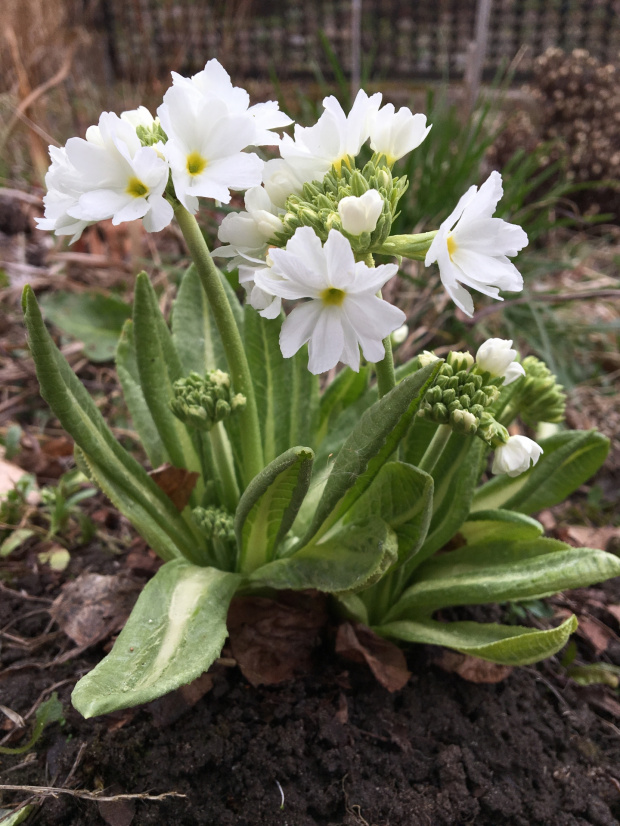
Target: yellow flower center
136, 188
451, 246
196, 163
333, 297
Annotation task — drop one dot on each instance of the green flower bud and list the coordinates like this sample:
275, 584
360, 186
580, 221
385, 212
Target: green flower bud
202, 401
539, 397
359, 184
491, 431
460, 360
463, 421
218, 528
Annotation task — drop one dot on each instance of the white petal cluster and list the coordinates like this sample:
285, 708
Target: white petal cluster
497, 357
343, 313
108, 175
360, 214
395, 134
516, 456
471, 247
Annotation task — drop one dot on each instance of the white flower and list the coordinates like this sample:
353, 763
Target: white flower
281, 179
205, 147
214, 83
139, 117
471, 247
333, 137
360, 214
247, 232
395, 134
62, 181
266, 303
344, 312
516, 456
497, 358
108, 175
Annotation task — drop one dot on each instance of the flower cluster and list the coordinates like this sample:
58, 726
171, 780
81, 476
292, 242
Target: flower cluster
314, 217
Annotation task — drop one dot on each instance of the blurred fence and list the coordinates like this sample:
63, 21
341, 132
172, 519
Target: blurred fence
399, 39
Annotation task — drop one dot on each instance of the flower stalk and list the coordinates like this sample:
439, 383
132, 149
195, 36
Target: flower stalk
233, 345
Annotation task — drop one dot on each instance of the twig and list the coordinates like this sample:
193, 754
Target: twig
53, 791
27, 597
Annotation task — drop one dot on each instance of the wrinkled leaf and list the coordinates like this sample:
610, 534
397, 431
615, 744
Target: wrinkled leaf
387, 662
488, 526
472, 669
174, 633
94, 319
352, 559
569, 459
345, 389
503, 644
269, 504
370, 444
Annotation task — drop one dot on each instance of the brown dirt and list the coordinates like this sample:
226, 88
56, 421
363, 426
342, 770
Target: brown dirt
532, 750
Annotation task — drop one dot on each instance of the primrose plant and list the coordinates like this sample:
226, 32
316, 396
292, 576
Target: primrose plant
371, 490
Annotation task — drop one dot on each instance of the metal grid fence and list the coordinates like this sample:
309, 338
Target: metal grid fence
399, 39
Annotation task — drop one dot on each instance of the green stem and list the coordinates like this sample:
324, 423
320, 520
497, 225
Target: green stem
435, 448
231, 340
386, 378
222, 454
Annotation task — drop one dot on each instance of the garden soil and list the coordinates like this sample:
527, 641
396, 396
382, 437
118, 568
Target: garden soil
330, 747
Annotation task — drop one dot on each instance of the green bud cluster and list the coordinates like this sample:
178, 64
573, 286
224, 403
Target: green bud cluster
202, 401
149, 135
539, 396
317, 205
218, 528
458, 397
491, 431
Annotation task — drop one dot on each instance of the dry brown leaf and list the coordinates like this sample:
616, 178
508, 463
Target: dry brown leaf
273, 640
167, 709
472, 669
176, 483
93, 606
584, 537
596, 633
358, 643
117, 812
57, 448
614, 610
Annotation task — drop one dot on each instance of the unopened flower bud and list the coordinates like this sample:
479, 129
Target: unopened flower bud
516, 456
497, 358
464, 421
399, 335
202, 401
360, 214
460, 360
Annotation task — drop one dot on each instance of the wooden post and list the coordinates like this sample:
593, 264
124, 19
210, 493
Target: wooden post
477, 53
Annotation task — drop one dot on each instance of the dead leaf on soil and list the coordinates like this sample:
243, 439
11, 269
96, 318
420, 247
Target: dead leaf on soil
472, 669
176, 483
273, 640
94, 606
117, 812
596, 633
614, 610
582, 536
358, 643
167, 709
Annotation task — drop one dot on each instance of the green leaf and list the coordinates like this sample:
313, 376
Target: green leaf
345, 389
159, 367
370, 444
269, 505
80, 417
129, 376
147, 507
48, 712
456, 475
352, 559
15, 540
175, 631
401, 495
488, 526
502, 571
595, 674
304, 401
503, 644
194, 332
569, 459
95, 319
272, 377
9, 817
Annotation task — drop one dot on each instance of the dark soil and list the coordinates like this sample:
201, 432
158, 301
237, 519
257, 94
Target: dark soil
532, 750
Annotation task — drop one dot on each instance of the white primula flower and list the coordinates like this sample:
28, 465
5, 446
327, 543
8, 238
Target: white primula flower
315, 149
266, 303
205, 147
395, 134
497, 357
280, 180
247, 233
360, 214
119, 178
62, 181
344, 311
214, 83
139, 117
471, 247
516, 456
